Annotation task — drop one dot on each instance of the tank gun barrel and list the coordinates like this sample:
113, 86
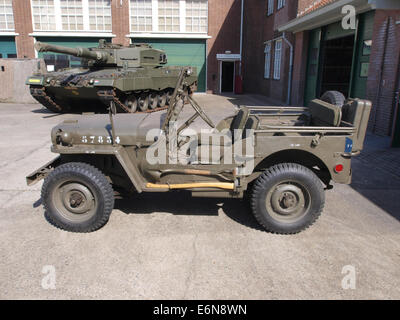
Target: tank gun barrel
77, 52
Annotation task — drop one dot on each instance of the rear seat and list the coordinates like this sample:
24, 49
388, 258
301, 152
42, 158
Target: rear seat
325, 114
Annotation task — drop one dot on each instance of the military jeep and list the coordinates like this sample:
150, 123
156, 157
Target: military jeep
280, 159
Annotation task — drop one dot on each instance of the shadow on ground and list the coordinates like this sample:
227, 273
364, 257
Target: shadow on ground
182, 203
376, 174
378, 186
253, 100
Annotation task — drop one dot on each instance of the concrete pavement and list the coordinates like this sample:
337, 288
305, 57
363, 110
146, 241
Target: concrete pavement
172, 246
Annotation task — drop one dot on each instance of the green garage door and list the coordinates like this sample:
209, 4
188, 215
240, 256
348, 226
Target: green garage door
183, 53
60, 61
7, 47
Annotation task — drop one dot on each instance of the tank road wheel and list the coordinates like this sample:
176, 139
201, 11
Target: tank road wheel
287, 198
143, 102
153, 101
162, 99
132, 103
77, 197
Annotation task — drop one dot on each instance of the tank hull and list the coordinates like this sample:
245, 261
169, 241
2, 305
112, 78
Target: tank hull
88, 90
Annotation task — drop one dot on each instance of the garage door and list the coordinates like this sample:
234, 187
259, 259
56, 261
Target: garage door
7, 47
60, 61
183, 53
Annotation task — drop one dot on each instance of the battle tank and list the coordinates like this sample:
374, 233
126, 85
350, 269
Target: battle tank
134, 77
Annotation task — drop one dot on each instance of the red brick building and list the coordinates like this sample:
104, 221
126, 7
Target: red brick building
360, 61
266, 51
203, 33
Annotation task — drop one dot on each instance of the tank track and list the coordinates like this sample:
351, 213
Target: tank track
40, 95
108, 95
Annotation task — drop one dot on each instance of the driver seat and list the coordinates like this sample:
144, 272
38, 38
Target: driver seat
240, 122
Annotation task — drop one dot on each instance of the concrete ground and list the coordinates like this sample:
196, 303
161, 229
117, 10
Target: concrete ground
170, 246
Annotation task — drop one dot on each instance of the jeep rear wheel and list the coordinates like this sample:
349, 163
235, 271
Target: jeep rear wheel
287, 198
77, 197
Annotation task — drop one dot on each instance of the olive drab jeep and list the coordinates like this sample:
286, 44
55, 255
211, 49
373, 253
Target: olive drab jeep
281, 159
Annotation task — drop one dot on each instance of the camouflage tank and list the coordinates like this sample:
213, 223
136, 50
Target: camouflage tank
134, 77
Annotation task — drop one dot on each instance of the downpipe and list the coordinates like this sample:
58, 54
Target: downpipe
289, 92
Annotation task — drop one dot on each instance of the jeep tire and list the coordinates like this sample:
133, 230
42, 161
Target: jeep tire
77, 197
334, 97
287, 198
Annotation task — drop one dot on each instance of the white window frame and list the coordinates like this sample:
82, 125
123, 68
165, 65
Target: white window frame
171, 16
194, 17
281, 4
267, 62
5, 19
58, 20
154, 8
97, 16
182, 20
270, 9
277, 59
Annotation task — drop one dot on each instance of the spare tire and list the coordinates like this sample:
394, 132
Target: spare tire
334, 97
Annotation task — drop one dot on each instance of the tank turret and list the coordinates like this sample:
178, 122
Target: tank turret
134, 56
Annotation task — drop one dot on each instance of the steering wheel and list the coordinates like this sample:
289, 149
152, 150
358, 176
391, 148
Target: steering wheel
201, 112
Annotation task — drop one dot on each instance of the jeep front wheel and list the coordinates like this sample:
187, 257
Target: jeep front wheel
77, 197
287, 198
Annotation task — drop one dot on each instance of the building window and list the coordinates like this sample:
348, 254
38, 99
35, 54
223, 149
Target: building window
43, 15
71, 15
6, 15
277, 59
270, 7
196, 16
168, 16
281, 4
100, 15
141, 12
267, 66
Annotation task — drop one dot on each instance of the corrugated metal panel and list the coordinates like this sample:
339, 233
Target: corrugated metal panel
7, 47
188, 52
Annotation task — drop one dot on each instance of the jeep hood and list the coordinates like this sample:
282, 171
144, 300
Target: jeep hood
130, 129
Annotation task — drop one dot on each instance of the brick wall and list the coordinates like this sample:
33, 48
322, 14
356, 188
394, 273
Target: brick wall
307, 6
23, 26
259, 29
120, 22
224, 28
383, 70
300, 68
